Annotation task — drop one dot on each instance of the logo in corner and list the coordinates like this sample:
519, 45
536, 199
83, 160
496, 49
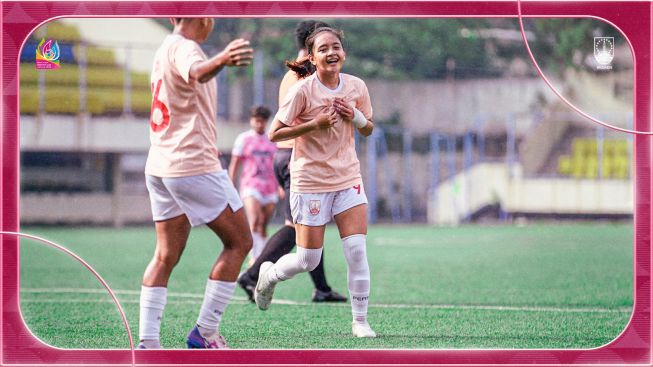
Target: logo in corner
314, 207
47, 54
604, 52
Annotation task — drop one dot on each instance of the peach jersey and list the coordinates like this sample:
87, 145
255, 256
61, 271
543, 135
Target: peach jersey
256, 152
182, 121
324, 160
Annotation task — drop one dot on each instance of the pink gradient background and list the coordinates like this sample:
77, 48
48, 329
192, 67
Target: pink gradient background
19, 347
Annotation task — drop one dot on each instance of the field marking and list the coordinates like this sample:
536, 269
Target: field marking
188, 298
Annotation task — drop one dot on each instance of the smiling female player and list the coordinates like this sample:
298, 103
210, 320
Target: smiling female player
322, 113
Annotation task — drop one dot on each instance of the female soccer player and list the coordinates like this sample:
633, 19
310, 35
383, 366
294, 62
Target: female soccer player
321, 112
283, 241
258, 186
185, 180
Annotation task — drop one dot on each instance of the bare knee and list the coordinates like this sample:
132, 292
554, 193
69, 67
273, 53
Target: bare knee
166, 259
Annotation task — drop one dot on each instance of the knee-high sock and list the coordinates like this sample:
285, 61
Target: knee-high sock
153, 301
358, 275
216, 298
290, 265
279, 244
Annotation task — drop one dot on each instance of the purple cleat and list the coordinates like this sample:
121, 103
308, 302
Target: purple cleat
195, 340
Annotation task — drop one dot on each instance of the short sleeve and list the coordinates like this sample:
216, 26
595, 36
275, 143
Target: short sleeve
364, 104
184, 55
292, 106
239, 145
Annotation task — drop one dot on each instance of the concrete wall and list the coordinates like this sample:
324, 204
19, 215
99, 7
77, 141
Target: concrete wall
490, 183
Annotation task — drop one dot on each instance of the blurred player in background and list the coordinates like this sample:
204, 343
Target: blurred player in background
322, 113
283, 241
258, 186
185, 180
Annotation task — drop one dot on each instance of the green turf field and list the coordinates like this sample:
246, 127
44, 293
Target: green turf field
536, 286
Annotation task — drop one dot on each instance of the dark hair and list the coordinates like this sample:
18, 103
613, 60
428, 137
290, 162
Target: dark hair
303, 66
304, 29
260, 111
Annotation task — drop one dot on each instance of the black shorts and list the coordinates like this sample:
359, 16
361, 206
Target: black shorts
282, 173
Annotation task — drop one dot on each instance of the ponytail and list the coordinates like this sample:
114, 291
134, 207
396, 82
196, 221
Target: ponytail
301, 67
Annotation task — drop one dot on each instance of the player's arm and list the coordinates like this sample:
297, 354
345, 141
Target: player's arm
237, 53
280, 131
234, 165
364, 126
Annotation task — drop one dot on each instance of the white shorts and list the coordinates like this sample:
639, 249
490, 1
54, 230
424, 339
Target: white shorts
263, 199
202, 198
317, 209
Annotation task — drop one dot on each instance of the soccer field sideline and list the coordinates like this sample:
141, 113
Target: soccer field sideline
186, 299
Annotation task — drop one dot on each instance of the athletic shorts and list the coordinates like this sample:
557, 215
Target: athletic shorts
202, 198
263, 199
317, 209
282, 172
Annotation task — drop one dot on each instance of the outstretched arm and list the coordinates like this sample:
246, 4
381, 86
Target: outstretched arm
237, 53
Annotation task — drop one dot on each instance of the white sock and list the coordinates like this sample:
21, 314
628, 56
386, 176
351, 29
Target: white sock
153, 301
358, 275
258, 244
217, 295
290, 265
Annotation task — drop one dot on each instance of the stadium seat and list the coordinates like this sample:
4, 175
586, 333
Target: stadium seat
564, 165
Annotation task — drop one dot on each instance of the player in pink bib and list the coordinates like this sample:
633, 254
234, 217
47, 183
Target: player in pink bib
254, 151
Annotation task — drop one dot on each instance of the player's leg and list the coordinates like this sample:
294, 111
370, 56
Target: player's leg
212, 199
232, 229
350, 208
172, 229
267, 212
281, 242
255, 216
310, 241
311, 212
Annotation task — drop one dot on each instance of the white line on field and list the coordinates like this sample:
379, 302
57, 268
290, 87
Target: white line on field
192, 297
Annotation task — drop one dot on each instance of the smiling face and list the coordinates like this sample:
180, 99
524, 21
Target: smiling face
327, 53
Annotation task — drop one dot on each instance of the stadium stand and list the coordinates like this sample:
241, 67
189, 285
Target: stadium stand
585, 158
105, 78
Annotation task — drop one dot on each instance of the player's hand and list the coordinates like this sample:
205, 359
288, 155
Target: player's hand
327, 119
281, 192
238, 53
343, 108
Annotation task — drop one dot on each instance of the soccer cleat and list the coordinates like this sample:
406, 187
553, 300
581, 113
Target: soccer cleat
362, 330
195, 340
247, 284
330, 296
264, 288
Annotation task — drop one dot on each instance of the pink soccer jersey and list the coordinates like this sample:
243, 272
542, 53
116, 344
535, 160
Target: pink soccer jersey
324, 160
256, 152
182, 121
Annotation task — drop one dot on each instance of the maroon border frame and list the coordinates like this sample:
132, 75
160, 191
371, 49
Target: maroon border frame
20, 347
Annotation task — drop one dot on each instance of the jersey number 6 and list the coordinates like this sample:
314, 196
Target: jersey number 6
159, 116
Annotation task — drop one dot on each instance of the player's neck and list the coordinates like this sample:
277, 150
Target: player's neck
329, 79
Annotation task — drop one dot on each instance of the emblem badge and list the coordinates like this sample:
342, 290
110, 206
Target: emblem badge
603, 50
314, 207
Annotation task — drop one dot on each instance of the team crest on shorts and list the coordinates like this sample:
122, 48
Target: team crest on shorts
314, 207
